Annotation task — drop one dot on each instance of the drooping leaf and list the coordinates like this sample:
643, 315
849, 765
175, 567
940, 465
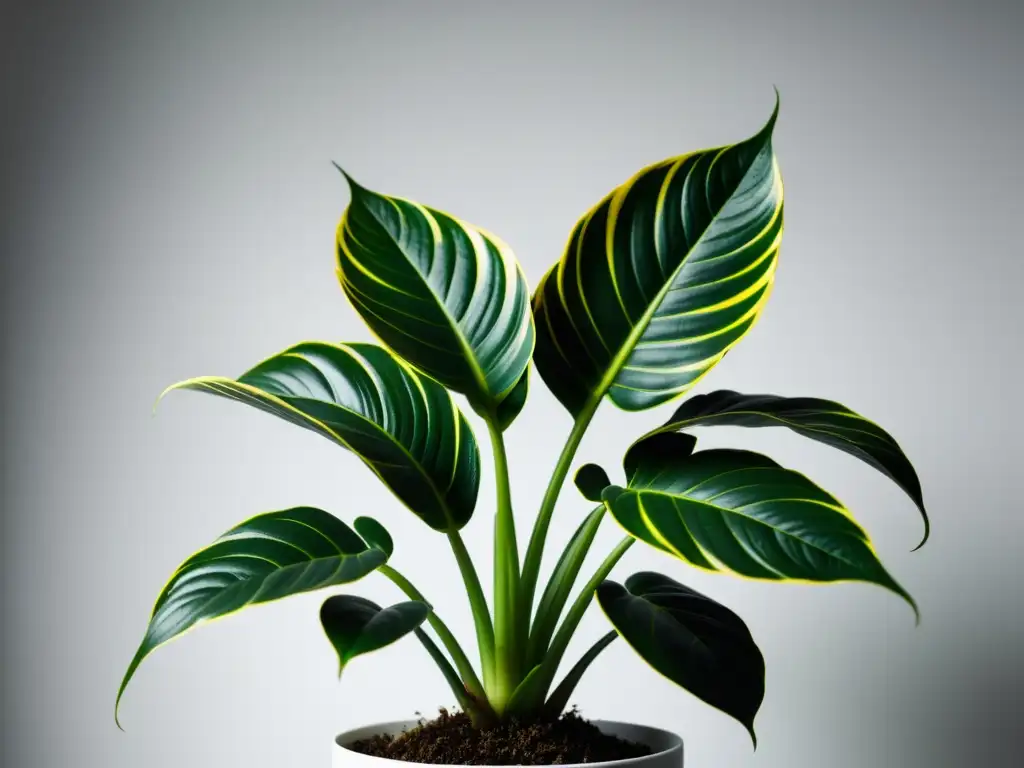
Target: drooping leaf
266, 558
740, 512
662, 277
692, 640
821, 420
374, 534
445, 295
404, 426
591, 480
355, 625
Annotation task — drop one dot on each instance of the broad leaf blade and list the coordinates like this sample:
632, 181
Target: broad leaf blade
266, 558
404, 426
822, 420
740, 512
692, 640
445, 295
355, 625
662, 277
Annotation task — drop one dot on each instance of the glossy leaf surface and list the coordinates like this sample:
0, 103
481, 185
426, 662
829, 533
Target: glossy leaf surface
404, 426
692, 640
447, 296
822, 420
591, 480
266, 558
740, 512
355, 625
662, 277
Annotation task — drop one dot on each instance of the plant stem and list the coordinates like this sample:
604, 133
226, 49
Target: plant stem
478, 604
462, 662
507, 649
576, 612
535, 550
559, 586
447, 670
555, 704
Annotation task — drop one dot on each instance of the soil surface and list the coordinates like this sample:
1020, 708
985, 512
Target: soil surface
450, 739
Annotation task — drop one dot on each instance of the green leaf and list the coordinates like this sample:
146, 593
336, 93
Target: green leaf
662, 277
266, 558
591, 480
821, 420
374, 534
447, 296
692, 640
404, 426
740, 512
355, 625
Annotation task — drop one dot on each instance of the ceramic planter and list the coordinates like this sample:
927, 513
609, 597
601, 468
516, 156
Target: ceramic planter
667, 746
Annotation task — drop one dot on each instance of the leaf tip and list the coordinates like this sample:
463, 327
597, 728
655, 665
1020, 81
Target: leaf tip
353, 185
927, 531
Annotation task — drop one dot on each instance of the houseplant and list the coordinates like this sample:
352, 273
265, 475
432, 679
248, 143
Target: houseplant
658, 281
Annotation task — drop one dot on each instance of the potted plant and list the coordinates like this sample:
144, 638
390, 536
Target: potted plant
658, 281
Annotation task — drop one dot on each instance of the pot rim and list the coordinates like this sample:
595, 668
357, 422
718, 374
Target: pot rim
347, 737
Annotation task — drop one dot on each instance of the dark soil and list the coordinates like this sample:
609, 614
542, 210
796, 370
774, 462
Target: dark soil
451, 739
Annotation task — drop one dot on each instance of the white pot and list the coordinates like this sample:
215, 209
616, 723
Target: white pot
668, 748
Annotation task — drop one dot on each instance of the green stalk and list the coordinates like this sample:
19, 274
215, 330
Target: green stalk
560, 585
558, 700
535, 550
575, 614
478, 604
450, 675
462, 662
507, 648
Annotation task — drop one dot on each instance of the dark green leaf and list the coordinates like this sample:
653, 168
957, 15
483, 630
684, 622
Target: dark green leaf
673, 444
662, 277
266, 558
510, 407
403, 425
355, 625
447, 296
591, 480
740, 512
374, 534
693, 641
821, 420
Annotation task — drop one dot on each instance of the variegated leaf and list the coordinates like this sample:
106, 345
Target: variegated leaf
822, 420
403, 425
662, 278
268, 557
445, 295
740, 512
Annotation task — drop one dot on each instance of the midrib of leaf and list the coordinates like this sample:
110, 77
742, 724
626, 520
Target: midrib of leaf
276, 400
640, 328
468, 353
